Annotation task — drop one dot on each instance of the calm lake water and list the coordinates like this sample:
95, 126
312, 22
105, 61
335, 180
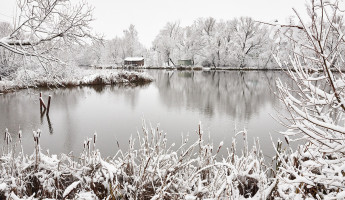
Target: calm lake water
225, 102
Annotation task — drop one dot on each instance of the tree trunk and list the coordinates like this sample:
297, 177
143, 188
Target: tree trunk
172, 62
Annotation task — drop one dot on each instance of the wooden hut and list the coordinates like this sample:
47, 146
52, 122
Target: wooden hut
134, 61
185, 62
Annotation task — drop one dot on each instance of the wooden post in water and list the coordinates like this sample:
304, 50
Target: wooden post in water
48, 106
40, 102
43, 104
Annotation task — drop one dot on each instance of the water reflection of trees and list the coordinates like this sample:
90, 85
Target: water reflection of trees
236, 93
21, 109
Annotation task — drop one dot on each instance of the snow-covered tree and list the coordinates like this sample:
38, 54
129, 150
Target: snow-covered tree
236, 42
43, 27
131, 42
165, 42
191, 44
316, 106
251, 37
6, 57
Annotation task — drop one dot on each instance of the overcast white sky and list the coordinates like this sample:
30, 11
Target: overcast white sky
149, 16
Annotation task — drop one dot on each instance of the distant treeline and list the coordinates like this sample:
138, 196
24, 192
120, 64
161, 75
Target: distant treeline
240, 42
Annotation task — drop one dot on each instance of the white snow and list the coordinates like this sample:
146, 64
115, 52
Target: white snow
70, 188
134, 59
86, 196
3, 186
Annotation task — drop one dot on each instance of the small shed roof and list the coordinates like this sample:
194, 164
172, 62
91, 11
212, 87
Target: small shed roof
134, 59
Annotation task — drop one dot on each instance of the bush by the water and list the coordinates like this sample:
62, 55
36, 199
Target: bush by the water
76, 77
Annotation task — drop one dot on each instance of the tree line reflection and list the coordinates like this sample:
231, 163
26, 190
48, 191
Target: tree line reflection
239, 94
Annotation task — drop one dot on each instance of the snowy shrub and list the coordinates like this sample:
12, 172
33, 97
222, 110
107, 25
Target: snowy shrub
316, 107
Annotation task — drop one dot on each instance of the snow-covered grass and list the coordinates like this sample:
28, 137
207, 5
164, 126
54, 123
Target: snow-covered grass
150, 169
73, 77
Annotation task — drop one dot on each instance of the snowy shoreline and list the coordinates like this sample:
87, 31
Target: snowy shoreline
153, 169
86, 77
200, 68
150, 169
197, 68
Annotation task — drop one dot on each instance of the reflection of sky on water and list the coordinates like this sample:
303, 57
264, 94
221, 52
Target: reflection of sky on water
177, 100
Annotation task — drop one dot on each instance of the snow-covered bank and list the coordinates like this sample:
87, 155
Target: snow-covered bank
152, 169
77, 78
